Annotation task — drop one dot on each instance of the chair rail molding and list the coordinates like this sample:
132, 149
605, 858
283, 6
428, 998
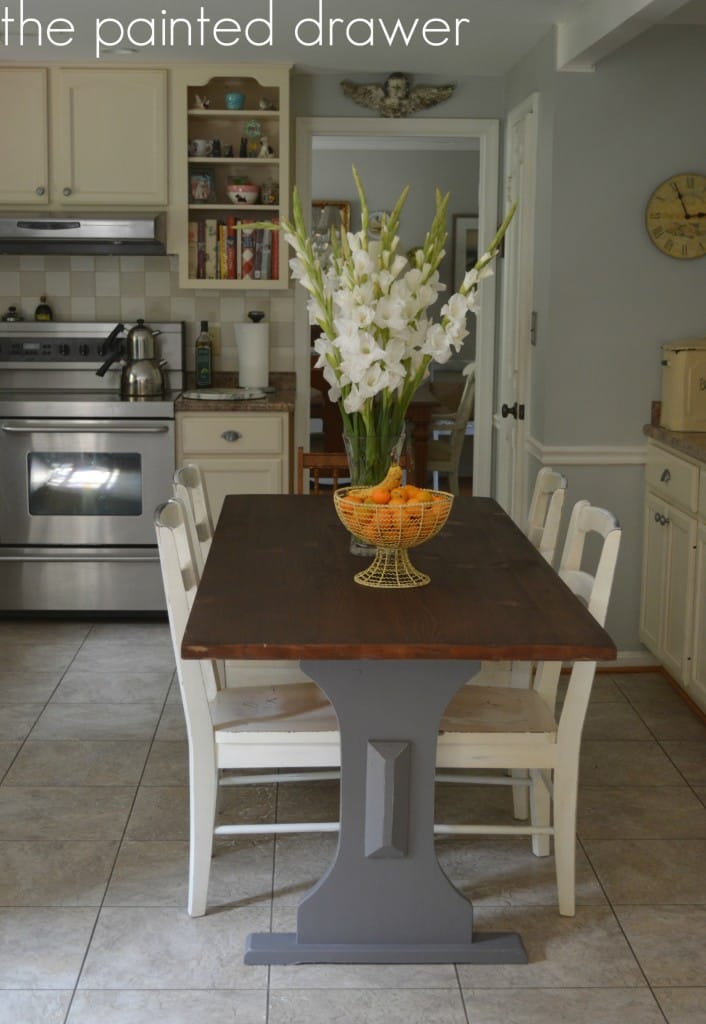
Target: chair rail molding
586, 455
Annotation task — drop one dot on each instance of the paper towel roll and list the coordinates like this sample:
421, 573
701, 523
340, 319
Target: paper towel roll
253, 344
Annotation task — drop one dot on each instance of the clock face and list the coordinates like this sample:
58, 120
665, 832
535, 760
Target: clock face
676, 216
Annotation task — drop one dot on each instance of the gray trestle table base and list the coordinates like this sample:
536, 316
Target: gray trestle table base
385, 898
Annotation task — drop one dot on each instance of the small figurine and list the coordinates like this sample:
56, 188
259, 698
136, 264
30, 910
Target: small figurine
266, 104
396, 97
265, 148
201, 102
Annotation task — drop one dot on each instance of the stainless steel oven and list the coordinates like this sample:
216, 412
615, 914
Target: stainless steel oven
82, 471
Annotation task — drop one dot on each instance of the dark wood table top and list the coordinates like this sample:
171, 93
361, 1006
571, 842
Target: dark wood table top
278, 583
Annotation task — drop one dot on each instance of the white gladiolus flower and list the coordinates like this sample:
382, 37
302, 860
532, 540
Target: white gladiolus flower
372, 304
389, 314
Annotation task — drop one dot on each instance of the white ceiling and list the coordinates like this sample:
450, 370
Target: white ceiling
497, 35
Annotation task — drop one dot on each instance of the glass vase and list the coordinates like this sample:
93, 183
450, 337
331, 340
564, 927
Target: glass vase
369, 458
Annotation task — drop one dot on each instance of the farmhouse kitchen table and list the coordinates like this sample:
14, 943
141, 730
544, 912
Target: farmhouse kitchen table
278, 583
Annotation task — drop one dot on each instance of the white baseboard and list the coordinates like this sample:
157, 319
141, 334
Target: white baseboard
631, 659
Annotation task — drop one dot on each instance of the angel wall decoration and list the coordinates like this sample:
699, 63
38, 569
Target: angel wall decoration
396, 97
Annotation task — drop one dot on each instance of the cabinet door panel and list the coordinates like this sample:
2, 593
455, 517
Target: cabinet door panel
653, 574
24, 167
248, 476
697, 675
679, 596
111, 137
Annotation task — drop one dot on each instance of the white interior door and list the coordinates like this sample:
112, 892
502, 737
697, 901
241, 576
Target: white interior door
510, 422
487, 132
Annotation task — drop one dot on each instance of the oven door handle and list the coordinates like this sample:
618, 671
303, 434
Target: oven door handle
78, 557
86, 427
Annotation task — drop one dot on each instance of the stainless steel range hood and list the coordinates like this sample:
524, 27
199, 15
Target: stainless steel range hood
70, 233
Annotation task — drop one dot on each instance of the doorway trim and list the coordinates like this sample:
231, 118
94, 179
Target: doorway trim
515, 341
487, 131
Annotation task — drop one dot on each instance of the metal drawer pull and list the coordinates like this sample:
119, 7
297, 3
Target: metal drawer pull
231, 435
666, 476
662, 520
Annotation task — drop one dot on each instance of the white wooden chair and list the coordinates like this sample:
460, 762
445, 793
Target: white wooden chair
259, 727
544, 516
516, 728
189, 488
542, 528
444, 453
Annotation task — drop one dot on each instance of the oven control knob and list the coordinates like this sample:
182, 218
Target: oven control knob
84, 349
64, 350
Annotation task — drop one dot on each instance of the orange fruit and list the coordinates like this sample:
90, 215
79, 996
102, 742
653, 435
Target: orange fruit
421, 496
380, 496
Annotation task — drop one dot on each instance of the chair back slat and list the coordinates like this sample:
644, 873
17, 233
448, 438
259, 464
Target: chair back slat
189, 486
594, 588
322, 466
445, 453
180, 577
544, 516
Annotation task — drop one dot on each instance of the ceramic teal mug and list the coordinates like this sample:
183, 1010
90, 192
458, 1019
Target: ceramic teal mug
235, 100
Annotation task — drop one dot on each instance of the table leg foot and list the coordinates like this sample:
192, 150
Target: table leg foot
485, 948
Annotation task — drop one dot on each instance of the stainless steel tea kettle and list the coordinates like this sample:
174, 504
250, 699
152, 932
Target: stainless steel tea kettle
142, 374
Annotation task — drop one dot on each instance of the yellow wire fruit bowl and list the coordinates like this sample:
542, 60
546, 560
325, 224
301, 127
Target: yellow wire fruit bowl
392, 529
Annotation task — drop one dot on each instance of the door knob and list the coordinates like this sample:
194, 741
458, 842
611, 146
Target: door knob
516, 410
40, 190
67, 191
666, 476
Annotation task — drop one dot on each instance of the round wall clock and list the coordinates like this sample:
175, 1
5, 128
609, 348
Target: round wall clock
676, 216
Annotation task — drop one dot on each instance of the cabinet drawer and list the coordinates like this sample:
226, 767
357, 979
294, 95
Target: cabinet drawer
672, 478
234, 434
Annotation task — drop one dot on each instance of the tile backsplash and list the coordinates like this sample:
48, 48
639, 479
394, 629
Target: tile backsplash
123, 288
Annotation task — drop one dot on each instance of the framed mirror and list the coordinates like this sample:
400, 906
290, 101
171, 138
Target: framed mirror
328, 213
465, 245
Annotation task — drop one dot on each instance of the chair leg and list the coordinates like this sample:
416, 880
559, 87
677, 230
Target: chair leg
520, 796
540, 813
565, 795
202, 816
521, 678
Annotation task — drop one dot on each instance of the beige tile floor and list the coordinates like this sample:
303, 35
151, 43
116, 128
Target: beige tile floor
93, 856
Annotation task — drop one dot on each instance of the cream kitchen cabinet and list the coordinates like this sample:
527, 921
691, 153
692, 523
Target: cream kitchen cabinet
84, 137
239, 453
673, 615
24, 168
698, 658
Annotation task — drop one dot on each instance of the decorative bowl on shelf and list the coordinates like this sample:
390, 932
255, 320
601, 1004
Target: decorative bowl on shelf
235, 100
243, 193
392, 528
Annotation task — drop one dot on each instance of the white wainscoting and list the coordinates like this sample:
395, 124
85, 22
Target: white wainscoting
587, 455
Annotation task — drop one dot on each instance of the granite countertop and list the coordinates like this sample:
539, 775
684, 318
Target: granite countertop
282, 399
688, 443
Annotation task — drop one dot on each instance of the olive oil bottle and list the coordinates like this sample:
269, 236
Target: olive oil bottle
43, 310
204, 358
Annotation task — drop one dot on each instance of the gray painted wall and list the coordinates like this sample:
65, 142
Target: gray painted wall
384, 174
607, 299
